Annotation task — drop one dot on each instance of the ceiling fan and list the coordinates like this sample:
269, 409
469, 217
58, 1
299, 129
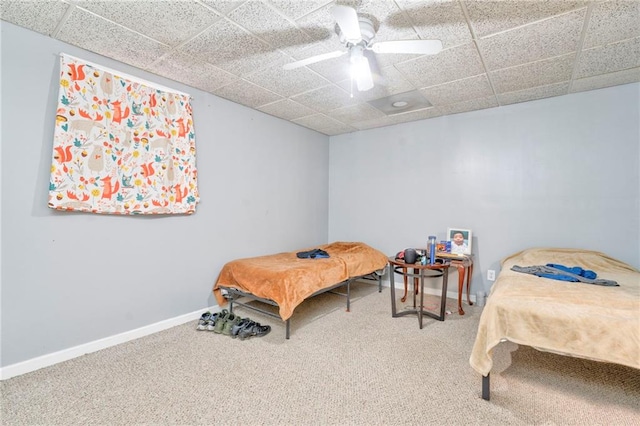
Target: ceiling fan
356, 33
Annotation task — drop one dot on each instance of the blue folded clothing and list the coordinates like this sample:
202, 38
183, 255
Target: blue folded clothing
313, 254
563, 273
576, 270
558, 277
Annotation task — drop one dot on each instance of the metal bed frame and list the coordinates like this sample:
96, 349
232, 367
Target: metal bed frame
233, 295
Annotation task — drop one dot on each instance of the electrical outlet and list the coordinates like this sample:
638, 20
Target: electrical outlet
491, 275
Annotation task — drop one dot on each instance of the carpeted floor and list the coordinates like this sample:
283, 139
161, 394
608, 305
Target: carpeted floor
339, 368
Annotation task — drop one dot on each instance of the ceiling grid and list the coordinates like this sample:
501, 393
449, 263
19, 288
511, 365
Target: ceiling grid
494, 52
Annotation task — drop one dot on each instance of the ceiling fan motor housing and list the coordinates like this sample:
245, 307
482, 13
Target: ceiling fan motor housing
367, 33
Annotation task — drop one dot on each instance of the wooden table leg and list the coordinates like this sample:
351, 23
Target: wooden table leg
461, 270
469, 272
416, 284
404, 276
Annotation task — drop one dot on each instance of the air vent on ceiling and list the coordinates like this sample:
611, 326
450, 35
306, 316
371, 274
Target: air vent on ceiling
401, 102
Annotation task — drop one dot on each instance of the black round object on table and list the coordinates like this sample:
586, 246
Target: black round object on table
410, 256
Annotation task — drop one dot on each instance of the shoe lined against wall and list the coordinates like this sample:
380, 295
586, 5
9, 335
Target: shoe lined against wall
229, 324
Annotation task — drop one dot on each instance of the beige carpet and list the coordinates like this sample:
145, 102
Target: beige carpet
340, 368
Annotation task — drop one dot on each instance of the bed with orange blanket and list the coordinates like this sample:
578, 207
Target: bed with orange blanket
596, 322
285, 281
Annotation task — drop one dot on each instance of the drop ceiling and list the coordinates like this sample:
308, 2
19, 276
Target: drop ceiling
494, 52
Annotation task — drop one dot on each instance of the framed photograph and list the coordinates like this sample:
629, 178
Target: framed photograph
460, 240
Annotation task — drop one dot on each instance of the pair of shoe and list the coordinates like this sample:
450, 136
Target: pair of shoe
228, 323
204, 320
219, 322
249, 328
208, 320
225, 323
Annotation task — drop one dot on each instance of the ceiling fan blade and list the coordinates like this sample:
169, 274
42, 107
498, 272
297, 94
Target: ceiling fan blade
314, 59
348, 21
421, 47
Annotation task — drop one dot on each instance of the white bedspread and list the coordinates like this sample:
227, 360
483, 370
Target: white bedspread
576, 319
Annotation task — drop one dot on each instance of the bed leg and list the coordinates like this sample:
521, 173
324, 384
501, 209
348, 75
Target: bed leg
287, 329
348, 295
485, 387
379, 283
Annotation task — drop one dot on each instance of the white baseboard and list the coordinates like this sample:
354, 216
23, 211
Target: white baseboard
43, 361
34, 364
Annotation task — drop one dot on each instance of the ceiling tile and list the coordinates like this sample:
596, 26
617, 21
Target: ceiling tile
322, 20
610, 58
450, 64
171, 24
194, 72
613, 21
535, 74
324, 124
42, 16
338, 130
466, 106
268, 25
415, 115
606, 80
355, 113
422, 114
298, 9
287, 82
88, 31
375, 123
544, 39
334, 69
325, 98
489, 17
245, 65
459, 90
534, 93
389, 20
287, 109
246, 93
440, 20
231, 48
388, 59
223, 6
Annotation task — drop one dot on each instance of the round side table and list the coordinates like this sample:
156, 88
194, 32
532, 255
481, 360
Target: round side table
420, 272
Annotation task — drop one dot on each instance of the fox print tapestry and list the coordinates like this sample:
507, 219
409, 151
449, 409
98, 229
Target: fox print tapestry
121, 146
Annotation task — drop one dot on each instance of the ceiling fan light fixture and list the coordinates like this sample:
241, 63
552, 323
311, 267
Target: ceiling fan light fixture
360, 69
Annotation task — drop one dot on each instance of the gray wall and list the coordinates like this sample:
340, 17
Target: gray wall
560, 172
69, 279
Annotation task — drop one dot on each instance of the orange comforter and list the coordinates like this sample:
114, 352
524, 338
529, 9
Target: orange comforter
287, 280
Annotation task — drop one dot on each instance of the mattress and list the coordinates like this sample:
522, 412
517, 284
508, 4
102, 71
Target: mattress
570, 318
288, 280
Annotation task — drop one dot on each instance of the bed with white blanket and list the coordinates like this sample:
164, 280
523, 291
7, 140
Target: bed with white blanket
596, 322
